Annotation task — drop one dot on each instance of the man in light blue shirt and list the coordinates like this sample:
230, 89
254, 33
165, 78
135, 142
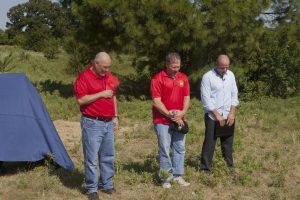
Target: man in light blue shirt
219, 96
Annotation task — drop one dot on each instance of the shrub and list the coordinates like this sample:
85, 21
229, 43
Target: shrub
51, 48
275, 71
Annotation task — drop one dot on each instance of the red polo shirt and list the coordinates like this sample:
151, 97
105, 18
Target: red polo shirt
89, 83
171, 91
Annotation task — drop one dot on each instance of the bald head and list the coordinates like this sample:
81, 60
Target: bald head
223, 59
223, 63
102, 57
102, 63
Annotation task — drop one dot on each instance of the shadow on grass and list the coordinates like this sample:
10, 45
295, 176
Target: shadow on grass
193, 162
11, 168
148, 166
71, 179
50, 86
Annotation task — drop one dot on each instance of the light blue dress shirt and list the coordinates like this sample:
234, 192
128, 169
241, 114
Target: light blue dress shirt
218, 93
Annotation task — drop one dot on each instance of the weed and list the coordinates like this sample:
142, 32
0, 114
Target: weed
6, 63
164, 175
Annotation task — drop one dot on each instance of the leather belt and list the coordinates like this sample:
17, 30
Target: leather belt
104, 119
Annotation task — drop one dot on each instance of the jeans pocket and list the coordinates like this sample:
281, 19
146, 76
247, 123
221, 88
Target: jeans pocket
86, 122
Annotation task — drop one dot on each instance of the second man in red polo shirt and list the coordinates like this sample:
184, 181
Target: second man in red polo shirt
170, 93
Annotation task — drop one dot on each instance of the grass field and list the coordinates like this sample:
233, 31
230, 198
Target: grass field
266, 148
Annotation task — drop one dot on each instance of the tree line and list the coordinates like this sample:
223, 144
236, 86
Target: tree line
260, 36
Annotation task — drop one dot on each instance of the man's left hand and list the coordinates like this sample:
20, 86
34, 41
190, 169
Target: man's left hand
230, 119
178, 116
116, 121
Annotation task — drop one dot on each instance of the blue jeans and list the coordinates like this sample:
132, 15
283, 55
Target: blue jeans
166, 139
98, 144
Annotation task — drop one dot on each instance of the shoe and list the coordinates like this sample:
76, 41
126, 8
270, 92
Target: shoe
109, 191
93, 196
181, 181
166, 185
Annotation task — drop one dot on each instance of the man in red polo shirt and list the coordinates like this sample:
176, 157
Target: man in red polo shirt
170, 92
95, 91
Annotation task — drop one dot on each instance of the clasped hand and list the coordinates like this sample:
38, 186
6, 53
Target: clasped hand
177, 116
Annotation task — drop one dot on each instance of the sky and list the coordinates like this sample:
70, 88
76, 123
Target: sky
5, 5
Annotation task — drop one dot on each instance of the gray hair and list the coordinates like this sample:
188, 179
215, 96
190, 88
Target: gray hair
171, 57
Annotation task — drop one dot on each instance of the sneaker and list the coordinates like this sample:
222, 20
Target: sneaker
181, 181
93, 196
166, 185
109, 191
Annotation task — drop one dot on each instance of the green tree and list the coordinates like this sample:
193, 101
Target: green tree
199, 30
233, 28
37, 21
3, 37
275, 69
147, 29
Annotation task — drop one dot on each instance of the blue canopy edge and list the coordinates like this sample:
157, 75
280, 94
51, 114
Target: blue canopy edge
27, 132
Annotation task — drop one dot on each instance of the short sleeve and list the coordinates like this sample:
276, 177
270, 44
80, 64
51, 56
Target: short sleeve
80, 87
186, 88
156, 88
116, 85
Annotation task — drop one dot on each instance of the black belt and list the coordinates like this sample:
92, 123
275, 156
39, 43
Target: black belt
104, 119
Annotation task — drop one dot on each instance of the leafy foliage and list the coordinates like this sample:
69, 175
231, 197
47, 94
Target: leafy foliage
198, 30
36, 21
275, 72
260, 36
147, 29
3, 37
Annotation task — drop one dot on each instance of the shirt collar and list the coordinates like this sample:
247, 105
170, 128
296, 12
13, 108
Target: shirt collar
94, 75
164, 73
217, 73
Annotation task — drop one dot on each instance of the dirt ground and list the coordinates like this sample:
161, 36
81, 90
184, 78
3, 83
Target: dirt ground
68, 131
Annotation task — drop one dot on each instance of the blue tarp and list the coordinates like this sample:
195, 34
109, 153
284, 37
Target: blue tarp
26, 130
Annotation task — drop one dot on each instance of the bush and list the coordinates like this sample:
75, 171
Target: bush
51, 48
3, 38
19, 40
274, 71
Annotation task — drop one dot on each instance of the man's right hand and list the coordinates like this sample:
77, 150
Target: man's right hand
107, 94
176, 116
219, 117
221, 120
